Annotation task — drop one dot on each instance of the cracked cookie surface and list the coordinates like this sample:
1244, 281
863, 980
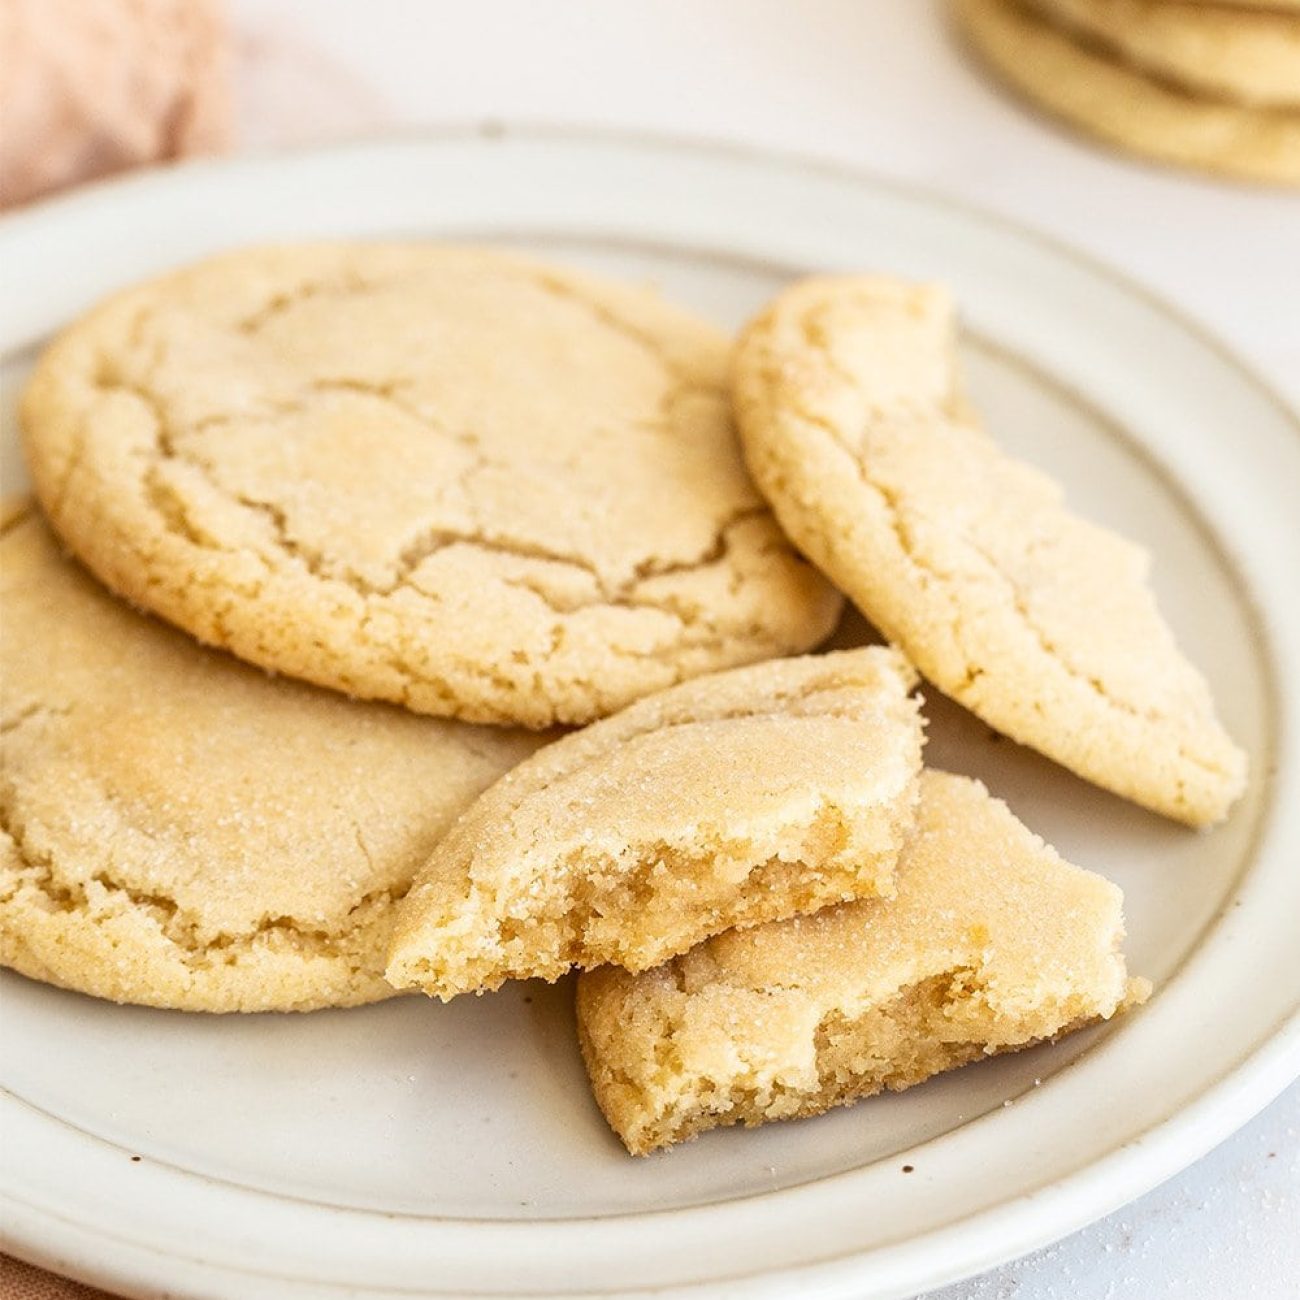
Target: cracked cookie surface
732, 799
181, 830
457, 480
1090, 87
1039, 622
991, 943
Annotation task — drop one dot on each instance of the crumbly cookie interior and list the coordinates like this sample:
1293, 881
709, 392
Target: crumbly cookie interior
992, 943
734, 799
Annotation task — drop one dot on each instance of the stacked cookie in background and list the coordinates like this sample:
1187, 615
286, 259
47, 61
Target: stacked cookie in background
407, 511
1209, 84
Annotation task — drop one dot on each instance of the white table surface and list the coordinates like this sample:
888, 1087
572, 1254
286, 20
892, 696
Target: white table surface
879, 84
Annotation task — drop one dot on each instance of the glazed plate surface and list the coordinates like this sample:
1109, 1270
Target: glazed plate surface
410, 1148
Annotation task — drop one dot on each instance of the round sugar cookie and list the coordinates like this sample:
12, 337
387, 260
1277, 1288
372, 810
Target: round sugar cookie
1110, 99
180, 830
449, 478
1249, 55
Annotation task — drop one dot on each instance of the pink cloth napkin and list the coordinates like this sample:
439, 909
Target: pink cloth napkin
89, 87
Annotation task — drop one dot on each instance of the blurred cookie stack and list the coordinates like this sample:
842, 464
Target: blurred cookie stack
1209, 84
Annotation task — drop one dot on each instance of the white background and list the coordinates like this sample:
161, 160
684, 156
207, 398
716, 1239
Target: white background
882, 85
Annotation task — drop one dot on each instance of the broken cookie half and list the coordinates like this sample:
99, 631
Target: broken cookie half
748, 796
849, 406
992, 943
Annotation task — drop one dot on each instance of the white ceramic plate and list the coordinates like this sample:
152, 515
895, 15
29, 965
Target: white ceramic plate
411, 1148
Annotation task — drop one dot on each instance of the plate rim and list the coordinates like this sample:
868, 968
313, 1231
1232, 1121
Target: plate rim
1238, 1092
488, 130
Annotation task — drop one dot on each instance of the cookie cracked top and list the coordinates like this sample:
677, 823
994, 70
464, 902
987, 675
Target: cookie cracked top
850, 404
450, 478
180, 830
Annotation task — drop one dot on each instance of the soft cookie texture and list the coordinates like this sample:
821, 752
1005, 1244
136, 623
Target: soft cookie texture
1247, 55
1097, 92
734, 799
991, 944
453, 479
1039, 622
179, 829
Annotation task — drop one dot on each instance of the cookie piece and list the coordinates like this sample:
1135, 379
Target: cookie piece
1106, 98
453, 479
730, 800
179, 829
1039, 622
992, 943
1250, 55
